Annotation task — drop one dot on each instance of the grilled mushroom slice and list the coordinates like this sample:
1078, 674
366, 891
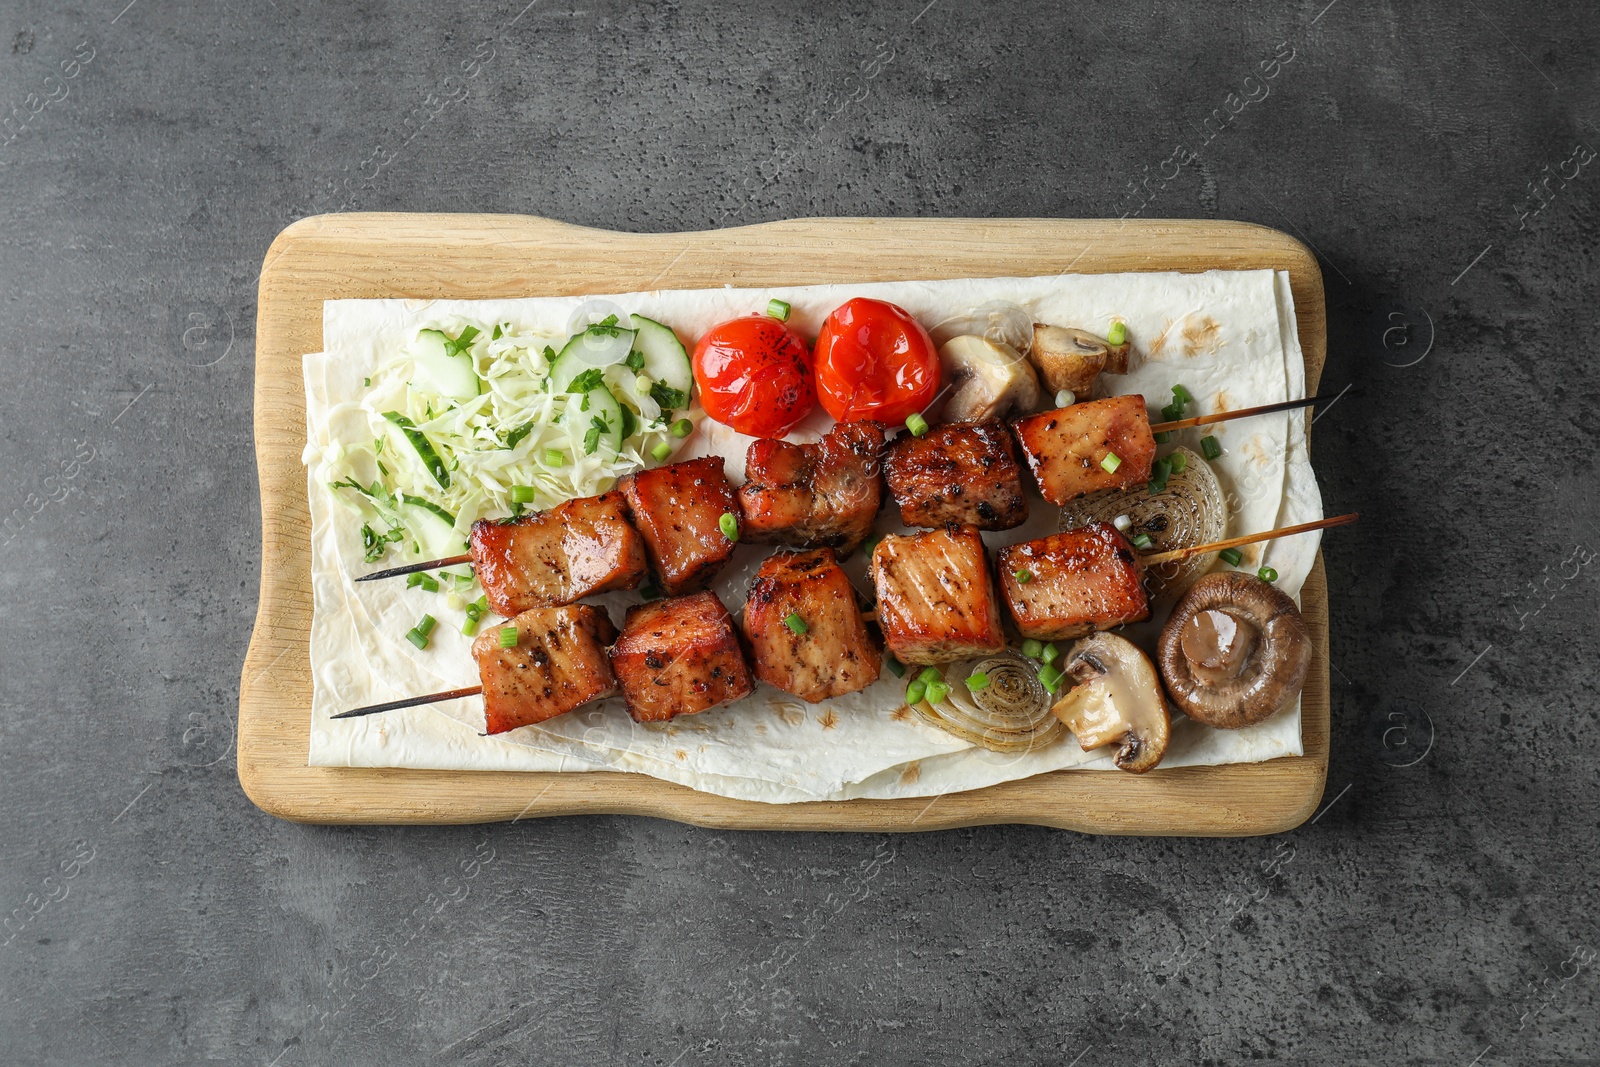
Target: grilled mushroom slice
1068, 358
1115, 699
1234, 651
988, 379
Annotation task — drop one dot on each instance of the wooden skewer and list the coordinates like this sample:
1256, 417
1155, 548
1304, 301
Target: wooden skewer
410, 702
1223, 416
1249, 539
412, 568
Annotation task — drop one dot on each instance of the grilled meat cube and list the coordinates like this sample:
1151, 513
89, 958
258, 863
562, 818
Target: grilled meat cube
679, 656
678, 510
1080, 581
936, 600
962, 472
558, 664
580, 548
832, 654
1069, 448
824, 495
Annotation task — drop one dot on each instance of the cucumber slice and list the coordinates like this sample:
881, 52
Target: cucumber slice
432, 527
598, 346
580, 421
445, 365
424, 448
665, 358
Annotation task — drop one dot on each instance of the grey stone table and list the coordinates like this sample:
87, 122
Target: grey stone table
1440, 909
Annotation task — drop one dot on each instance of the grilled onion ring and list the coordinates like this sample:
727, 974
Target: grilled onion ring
1190, 511
1010, 714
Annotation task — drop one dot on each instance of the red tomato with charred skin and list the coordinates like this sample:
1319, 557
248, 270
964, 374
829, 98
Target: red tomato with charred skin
874, 361
755, 376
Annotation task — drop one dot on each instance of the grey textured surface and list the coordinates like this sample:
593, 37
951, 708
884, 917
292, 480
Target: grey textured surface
1441, 908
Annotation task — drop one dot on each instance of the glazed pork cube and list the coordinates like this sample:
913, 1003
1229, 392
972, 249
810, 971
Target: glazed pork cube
558, 663
679, 656
678, 510
804, 628
555, 557
824, 495
936, 601
1077, 582
962, 472
1102, 444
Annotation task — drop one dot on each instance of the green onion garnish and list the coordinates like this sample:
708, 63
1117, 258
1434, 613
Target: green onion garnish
554, 457
1210, 447
1032, 649
1178, 461
418, 639
523, 494
1050, 678
426, 624
730, 525
930, 674
778, 309
1142, 540
896, 668
936, 692
469, 625
661, 451
977, 680
1023, 577
795, 623
870, 545
1117, 334
1111, 463
1164, 437
1231, 556
916, 424
1267, 574
366, 381
1050, 654
1182, 395
681, 428
509, 637
915, 691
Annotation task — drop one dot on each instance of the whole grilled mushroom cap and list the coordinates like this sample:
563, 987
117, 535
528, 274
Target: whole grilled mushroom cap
1234, 651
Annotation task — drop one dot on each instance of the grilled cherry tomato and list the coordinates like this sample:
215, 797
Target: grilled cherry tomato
874, 361
755, 376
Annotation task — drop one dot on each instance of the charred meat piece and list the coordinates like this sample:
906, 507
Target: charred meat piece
559, 663
580, 548
804, 628
679, 656
824, 495
962, 472
678, 510
1077, 582
936, 601
1102, 444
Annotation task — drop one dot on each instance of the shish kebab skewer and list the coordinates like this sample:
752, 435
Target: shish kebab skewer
485, 662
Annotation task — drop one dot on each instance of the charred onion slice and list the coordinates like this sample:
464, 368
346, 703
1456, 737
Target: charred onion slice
1190, 511
1010, 714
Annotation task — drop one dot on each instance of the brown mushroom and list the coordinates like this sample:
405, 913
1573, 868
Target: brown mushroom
986, 379
1115, 699
1068, 358
1234, 651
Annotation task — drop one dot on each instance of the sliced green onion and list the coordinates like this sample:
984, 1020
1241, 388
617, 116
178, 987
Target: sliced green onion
1142, 540
1172, 411
418, 639
915, 691
681, 428
426, 624
474, 612
930, 674
730, 525
1182, 395
1111, 463
1178, 461
523, 494
977, 680
469, 625
870, 545
1267, 574
1164, 437
1032, 649
661, 451
554, 457
916, 424
1117, 334
1050, 654
509, 637
937, 691
896, 668
1210, 447
1050, 678
1231, 556
1023, 576
414, 580
1066, 398
366, 381
795, 623
778, 309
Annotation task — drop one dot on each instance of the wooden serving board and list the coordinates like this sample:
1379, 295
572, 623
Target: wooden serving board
479, 256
